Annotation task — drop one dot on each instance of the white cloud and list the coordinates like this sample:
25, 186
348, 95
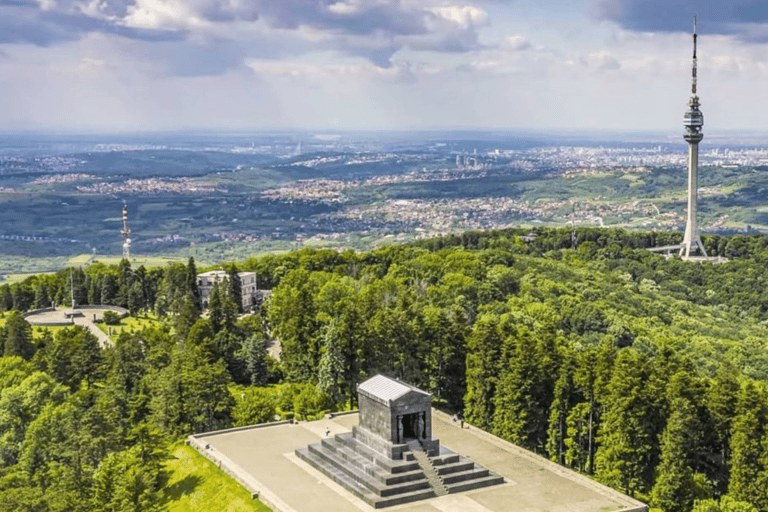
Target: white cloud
157, 14
465, 16
517, 43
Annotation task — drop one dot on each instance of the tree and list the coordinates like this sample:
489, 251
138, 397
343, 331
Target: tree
201, 337
111, 318
13, 370
254, 353
330, 379
257, 405
557, 432
483, 354
726, 504
293, 320
674, 487
591, 380
193, 289
6, 298
16, 336
721, 399
626, 433
73, 357
310, 401
190, 394
42, 297
109, 289
186, 319
136, 300
20, 405
235, 286
747, 432
216, 308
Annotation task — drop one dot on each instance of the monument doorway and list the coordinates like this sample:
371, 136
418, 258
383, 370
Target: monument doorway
413, 426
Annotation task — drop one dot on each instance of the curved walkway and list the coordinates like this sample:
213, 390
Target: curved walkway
83, 316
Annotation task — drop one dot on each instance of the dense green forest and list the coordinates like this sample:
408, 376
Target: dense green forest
646, 372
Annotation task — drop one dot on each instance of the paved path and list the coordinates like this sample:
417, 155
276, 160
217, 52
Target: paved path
87, 322
84, 318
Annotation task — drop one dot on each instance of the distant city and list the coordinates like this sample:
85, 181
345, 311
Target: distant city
229, 196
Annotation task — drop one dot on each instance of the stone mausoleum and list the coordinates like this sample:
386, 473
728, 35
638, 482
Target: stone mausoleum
390, 458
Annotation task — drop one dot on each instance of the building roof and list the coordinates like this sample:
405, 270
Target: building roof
387, 389
222, 274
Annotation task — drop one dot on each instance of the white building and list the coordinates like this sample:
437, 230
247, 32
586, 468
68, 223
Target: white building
207, 280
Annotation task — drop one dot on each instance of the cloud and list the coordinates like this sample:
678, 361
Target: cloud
745, 19
235, 29
23, 22
517, 43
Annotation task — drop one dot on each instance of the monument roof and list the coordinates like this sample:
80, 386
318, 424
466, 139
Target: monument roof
387, 389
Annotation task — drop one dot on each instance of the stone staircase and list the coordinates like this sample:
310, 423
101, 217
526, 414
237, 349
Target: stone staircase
382, 481
434, 479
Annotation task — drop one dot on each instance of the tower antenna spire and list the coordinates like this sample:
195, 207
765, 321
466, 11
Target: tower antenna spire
693, 83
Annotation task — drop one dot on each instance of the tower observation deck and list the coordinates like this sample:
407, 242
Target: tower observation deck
693, 122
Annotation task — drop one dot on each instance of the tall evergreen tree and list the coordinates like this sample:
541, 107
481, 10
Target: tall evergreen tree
483, 363
721, 399
216, 307
331, 371
42, 297
674, 488
747, 432
557, 433
191, 281
626, 439
235, 285
6, 298
16, 337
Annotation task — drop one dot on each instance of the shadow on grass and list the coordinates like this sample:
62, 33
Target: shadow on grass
178, 490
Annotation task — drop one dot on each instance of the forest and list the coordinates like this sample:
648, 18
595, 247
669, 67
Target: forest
644, 371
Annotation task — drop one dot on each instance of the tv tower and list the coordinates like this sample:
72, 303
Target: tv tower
126, 232
693, 121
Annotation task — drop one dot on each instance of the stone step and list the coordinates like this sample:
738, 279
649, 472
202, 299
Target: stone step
448, 458
331, 459
348, 458
478, 483
463, 476
389, 465
346, 451
464, 465
360, 490
352, 456
338, 476
429, 471
401, 499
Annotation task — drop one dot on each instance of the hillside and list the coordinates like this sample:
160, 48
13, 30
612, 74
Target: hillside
646, 372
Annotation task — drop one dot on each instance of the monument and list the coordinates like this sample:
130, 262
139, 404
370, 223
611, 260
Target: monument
390, 458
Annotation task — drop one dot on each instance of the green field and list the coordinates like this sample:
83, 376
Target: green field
147, 261
196, 484
131, 324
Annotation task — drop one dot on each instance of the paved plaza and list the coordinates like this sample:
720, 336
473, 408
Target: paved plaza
82, 316
263, 459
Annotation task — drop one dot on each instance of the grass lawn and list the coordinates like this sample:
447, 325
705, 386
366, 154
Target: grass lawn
197, 485
131, 323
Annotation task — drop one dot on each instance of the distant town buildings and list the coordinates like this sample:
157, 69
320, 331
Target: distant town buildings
248, 285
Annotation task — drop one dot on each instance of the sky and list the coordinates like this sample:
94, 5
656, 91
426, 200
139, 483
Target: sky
260, 65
